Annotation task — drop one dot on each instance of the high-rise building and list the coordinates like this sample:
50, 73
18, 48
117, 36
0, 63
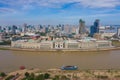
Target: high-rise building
118, 32
62, 27
67, 29
97, 25
0, 27
92, 30
95, 28
82, 27
14, 29
24, 27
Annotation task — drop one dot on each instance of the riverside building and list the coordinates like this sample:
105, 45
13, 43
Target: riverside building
59, 43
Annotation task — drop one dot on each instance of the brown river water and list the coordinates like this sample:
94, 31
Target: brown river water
12, 60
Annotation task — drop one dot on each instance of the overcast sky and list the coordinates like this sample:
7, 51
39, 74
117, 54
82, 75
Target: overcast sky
59, 11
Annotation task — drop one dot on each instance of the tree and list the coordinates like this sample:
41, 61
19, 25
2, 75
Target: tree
32, 75
43, 34
46, 75
39, 77
9, 77
27, 74
64, 78
2, 74
56, 77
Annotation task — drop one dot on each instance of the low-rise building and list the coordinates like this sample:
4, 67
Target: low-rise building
72, 44
104, 35
85, 43
46, 45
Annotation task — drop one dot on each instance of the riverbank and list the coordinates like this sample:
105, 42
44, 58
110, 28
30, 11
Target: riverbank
57, 74
64, 50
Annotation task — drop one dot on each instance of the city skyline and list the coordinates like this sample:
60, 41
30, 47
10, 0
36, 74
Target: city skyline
59, 12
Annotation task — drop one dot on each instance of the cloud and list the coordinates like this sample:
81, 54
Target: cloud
94, 6
60, 3
101, 3
92, 16
6, 10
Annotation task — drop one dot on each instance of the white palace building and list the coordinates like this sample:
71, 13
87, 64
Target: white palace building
61, 44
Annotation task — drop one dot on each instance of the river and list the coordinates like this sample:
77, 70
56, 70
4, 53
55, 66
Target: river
12, 60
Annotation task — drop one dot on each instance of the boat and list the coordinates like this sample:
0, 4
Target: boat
69, 68
22, 67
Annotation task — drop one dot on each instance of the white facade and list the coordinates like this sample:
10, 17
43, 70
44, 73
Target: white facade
58, 45
68, 44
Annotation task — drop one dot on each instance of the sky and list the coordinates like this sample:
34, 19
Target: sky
59, 11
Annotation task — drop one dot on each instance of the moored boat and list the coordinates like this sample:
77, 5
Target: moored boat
69, 68
22, 67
